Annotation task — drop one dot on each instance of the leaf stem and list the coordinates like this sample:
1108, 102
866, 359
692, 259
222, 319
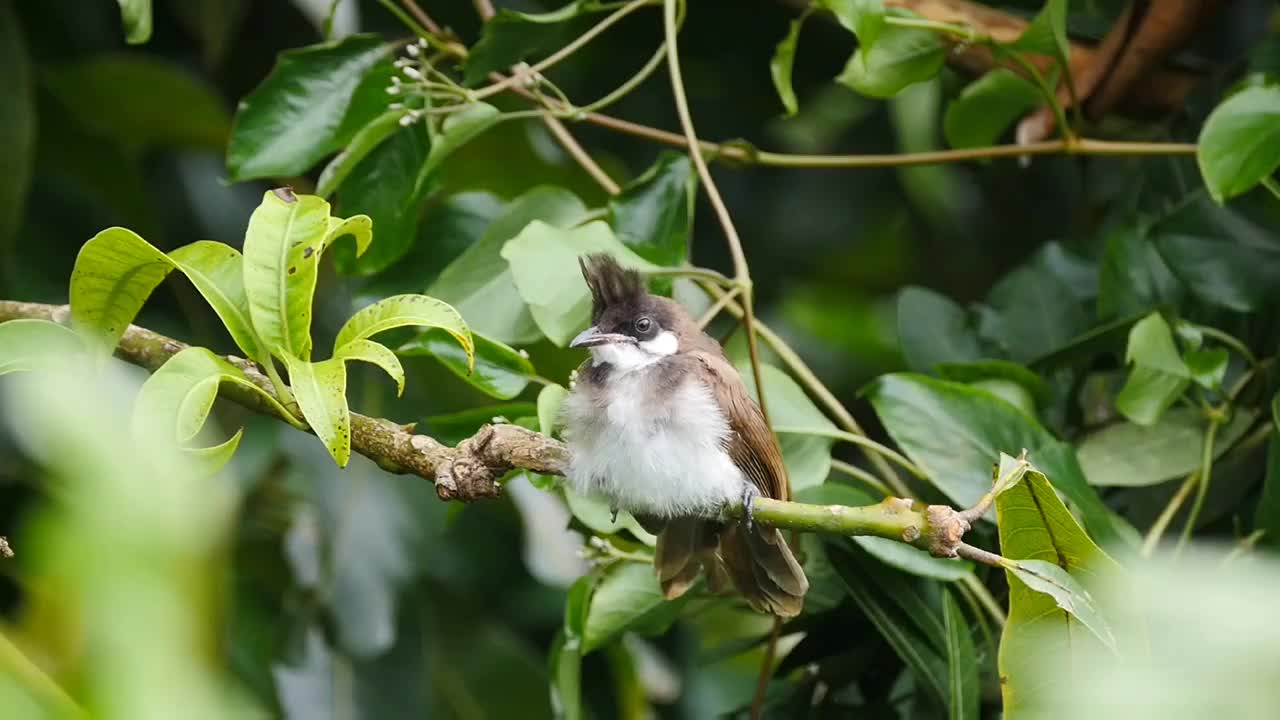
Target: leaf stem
858, 473
283, 394
1227, 339
17, 665
1270, 184
861, 441
716, 307
1206, 474
1166, 516
696, 273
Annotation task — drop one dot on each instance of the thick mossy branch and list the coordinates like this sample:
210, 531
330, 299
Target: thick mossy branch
471, 469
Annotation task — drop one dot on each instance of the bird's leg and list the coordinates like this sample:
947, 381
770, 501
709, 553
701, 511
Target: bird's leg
614, 517
749, 495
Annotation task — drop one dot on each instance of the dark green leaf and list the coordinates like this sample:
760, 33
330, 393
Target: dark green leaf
479, 282
1034, 314
362, 143
784, 59
1047, 33
17, 123
963, 701
1207, 367
1226, 256
458, 426
653, 214
899, 57
500, 371
987, 108
510, 37
984, 371
294, 117
1127, 454
1133, 277
1034, 525
136, 16
384, 186
627, 598
1240, 142
140, 101
804, 433
458, 129
932, 330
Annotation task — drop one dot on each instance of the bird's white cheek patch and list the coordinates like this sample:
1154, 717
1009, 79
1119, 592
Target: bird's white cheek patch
664, 344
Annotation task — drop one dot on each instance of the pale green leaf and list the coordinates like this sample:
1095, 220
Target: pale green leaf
963, 701
784, 58
406, 311
114, 274
1050, 579
206, 461
597, 515
28, 344
321, 391
1239, 144
549, 402
1130, 455
136, 16
987, 107
898, 58
217, 271
628, 598
374, 353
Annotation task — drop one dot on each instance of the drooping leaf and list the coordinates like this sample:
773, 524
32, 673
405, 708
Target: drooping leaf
498, 370
458, 129
29, 344
1035, 526
479, 282
628, 598
544, 266
784, 59
963, 701
1127, 454
932, 329
599, 517
217, 271
321, 391
387, 185
987, 108
653, 215
1208, 367
1239, 144
140, 101
362, 143
373, 353
510, 37
406, 311
17, 123
136, 16
898, 58
294, 117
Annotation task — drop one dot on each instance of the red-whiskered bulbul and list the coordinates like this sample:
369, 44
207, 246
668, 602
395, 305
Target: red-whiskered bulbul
660, 424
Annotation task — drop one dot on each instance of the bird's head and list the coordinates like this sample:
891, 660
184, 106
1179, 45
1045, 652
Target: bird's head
630, 328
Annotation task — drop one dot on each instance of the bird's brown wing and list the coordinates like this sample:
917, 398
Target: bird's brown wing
751, 445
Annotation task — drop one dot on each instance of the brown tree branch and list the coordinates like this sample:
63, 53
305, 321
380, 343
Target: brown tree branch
471, 469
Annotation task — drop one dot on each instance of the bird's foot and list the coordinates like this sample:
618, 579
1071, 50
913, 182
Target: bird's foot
749, 495
614, 517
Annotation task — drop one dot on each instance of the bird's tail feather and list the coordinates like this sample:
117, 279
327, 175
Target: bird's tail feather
764, 569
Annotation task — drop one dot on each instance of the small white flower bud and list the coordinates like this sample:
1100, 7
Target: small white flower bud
412, 50
413, 73
393, 89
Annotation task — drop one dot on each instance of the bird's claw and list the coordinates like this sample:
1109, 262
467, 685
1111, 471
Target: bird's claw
749, 495
614, 517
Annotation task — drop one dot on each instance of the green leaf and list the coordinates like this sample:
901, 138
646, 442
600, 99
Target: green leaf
374, 353
362, 143
136, 16
863, 18
1267, 515
987, 107
174, 402
898, 58
458, 129
544, 265
1067, 593
653, 215
1151, 345
385, 185
932, 329
217, 271
207, 461
598, 516
479, 282
963, 702
511, 37
287, 234
1133, 278
1131, 455
17, 124
628, 598
565, 668
549, 402
1035, 526
455, 427
1047, 33
321, 391
1159, 376
784, 59
1239, 145
140, 101
795, 418
1227, 256
406, 311
1207, 367
987, 371
294, 117
1034, 314
497, 370
29, 344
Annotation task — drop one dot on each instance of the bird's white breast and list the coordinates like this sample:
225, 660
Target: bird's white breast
647, 453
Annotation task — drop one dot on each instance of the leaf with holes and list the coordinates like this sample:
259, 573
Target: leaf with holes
321, 391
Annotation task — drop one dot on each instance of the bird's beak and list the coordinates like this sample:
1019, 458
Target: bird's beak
591, 337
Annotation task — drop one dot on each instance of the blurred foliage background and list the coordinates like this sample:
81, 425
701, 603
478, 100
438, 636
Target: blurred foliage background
289, 587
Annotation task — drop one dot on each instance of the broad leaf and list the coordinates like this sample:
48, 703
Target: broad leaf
1035, 526
217, 271
653, 215
406, 311
784, 59
1133, 278
804, 433
863, 18
114, 274
1047, 33
1208, 368
898, 58
600, 519
17, 122
479, 282
1127, 454
544, 265
628, 598
362, 143
510, 37
932, 329
1069, 595
1159, 375
295, 116
984, 373
136, 16
1239, 144
321, 391
1034, 314
497, 370
987, 107
29, 344
458, 129
375, 354
963, 701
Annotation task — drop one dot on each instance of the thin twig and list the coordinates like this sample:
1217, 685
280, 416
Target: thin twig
422, 17
1206, 474
716, 307
766, 670
863, 442
484, 8
576, 151
858, 473
1166, 515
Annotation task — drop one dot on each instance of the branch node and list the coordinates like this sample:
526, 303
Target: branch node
947, 527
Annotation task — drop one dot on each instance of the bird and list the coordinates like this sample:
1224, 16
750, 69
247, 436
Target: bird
659, 424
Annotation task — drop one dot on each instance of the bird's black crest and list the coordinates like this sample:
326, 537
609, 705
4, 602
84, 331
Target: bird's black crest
609, 283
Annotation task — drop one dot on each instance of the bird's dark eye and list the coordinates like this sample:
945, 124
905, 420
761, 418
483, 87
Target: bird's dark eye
644, 325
